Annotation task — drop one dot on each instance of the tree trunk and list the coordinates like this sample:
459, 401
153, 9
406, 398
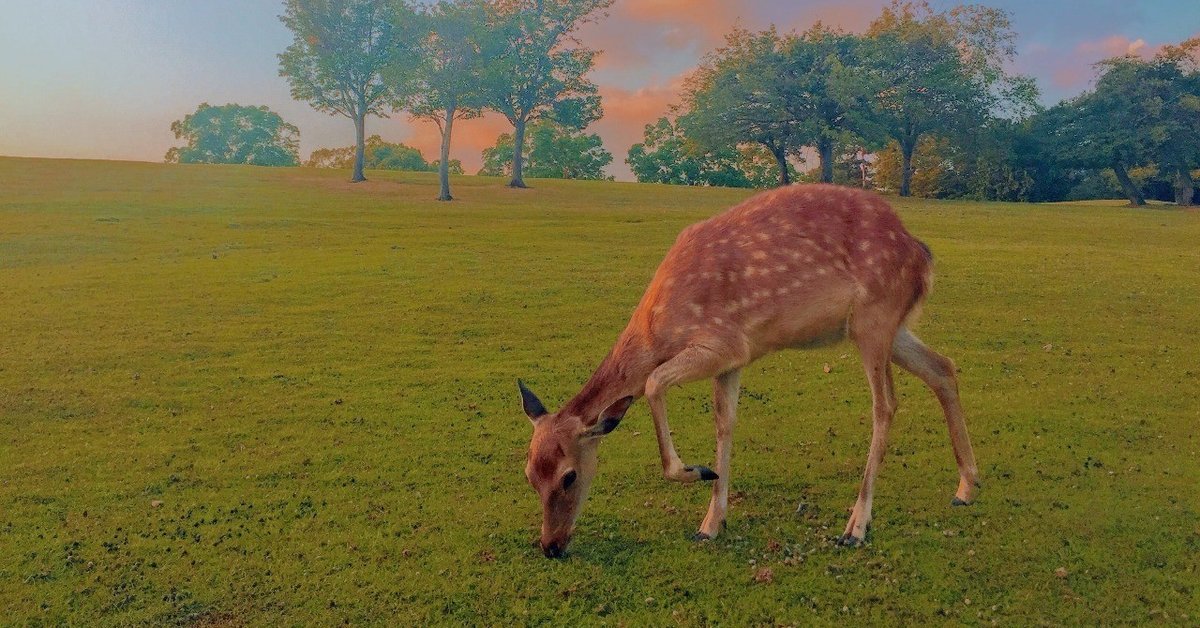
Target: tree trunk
1131, 190
518, 181
444, 166
1184, 186
825, 148
906, 171
360, 145
785, 177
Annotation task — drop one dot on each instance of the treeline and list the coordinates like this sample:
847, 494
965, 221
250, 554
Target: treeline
444, 62
923, 103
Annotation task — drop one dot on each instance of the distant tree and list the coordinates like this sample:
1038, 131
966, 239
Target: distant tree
667, 156
938, 73
446, 81
736, 96
1158, 101
553, 152
536, 68
339, 51
377, 155
927, 167
454, 166
233, 134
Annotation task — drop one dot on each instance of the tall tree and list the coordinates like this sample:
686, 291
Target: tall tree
1159, 101
552, 152
1088, 132
445, 82
537, 68
819, 73
233, 134
339, 51
737, 97
939, 73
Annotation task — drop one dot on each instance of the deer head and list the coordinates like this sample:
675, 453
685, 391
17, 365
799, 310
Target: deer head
562, 462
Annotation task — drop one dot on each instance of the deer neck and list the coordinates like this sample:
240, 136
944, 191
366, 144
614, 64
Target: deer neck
622, 373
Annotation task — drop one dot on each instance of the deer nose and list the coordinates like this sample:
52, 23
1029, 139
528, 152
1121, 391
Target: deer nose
552, 550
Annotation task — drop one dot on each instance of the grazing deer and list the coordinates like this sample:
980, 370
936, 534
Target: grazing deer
797, 267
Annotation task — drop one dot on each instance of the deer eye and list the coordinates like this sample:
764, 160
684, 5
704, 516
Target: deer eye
568, 479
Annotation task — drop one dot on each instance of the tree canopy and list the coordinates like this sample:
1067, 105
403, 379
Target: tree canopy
537, 68
234, 134
445, 80
339, 52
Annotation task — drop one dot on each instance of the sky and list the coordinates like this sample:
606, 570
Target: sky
104, 79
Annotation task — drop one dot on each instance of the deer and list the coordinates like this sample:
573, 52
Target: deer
802, 266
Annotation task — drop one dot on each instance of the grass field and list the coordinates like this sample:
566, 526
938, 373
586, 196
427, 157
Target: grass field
240, 395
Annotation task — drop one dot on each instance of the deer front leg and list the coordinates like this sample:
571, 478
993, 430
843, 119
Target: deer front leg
689, 365
876, 358
725, 397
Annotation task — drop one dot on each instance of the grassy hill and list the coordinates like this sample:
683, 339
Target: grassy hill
242, 395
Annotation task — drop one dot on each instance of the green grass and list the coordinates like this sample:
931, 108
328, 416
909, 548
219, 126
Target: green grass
317, 382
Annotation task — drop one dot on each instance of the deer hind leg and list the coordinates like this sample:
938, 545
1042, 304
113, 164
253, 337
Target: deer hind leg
689, 365
725, 397
873, 335
937, 371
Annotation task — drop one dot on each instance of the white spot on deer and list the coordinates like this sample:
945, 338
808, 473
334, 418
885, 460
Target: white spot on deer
763, 236
696, 308
718, 320
892, 235
822, 271
797, 283
781, 268
750, 271
759, 255
780, 291
864, 245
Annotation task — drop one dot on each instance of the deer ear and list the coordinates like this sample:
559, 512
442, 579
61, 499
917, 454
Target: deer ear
530, 403
610, 418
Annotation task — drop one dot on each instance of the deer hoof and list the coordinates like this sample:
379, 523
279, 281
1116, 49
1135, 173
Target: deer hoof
700, 537
705, 473
959, 502
849, 540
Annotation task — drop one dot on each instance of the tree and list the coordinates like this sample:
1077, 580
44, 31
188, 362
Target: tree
537, 68
233, 134
1089, 132
820, 69
939, 73
377, 155
446, 80
735, 97
338, 53
553, 152
1158, 102
667, 156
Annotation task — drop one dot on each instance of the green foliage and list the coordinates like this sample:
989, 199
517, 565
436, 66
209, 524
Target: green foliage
536, 68
233, 134
667, 156
736, 97
249, 396
339, 52
553, 152
379, 155
446, 81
